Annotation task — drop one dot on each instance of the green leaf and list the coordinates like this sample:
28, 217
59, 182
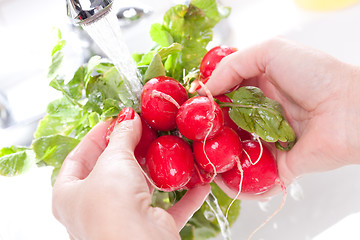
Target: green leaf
57, 56
137, 57
146, 58
62, 118
191, 26
54, 174
94, 62
159, 35
56, 63
111, 108
16, 160
166, 51
224, 202
212, 9
53, 149
59, 46
187, 232
203, 224
93, 119
108, 85
75, 87
255, 113
155, 69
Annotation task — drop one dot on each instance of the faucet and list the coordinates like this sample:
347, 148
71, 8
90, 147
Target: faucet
87, 11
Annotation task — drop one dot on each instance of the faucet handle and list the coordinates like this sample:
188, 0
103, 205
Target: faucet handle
86, 11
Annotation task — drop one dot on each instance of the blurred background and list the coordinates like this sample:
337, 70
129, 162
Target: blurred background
320, 206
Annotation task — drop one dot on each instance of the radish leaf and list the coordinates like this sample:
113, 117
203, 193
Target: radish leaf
255, 113
53, 149
155, 69
16, 160
159, 35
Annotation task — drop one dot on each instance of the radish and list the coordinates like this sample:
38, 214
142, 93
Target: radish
199, 118
255, 174
160, 99
147, 137
244, 135
199, 177
212, 59
258, 176
220, 153
170, 163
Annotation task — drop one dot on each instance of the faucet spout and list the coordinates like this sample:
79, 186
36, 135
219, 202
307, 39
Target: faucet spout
87, 11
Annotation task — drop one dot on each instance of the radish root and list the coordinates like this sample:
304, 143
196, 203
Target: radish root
148, 178
212, 165
261, 151
283, 199
240, 185
165, 96
212, 117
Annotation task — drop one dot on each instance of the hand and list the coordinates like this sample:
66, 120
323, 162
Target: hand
319, 94
100, 192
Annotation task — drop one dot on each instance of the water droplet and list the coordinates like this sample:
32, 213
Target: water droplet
209, 215
296, 191
275, 225
264, 205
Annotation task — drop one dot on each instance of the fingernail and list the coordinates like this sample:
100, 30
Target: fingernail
125, 114
204, 82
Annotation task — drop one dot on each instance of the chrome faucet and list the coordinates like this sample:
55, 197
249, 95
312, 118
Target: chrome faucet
87, 11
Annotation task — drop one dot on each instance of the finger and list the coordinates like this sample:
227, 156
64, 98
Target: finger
235, 68
188, 205
125, 137
122, 143
71, 237
79, 163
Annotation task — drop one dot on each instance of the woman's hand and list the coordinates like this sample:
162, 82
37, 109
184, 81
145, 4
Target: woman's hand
101, 193
319, 94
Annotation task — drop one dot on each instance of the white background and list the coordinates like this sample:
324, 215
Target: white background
321, 206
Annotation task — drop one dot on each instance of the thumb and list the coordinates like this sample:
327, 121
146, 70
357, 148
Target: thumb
126, 135
122, 142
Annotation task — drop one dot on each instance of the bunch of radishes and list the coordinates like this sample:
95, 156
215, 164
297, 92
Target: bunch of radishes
188, 141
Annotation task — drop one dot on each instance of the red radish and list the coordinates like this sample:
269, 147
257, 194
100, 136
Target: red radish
170, 163
220, 153
199, 177
212, 59
147, 137
204, 81
199, 118
257, 177
244, 135
125, 114
160, 99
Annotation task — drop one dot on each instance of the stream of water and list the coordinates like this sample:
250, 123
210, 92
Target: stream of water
106, 33
223, 222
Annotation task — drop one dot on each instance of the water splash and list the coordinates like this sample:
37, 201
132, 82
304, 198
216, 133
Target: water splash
296, 191
106, 33
264, 205
223, 222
